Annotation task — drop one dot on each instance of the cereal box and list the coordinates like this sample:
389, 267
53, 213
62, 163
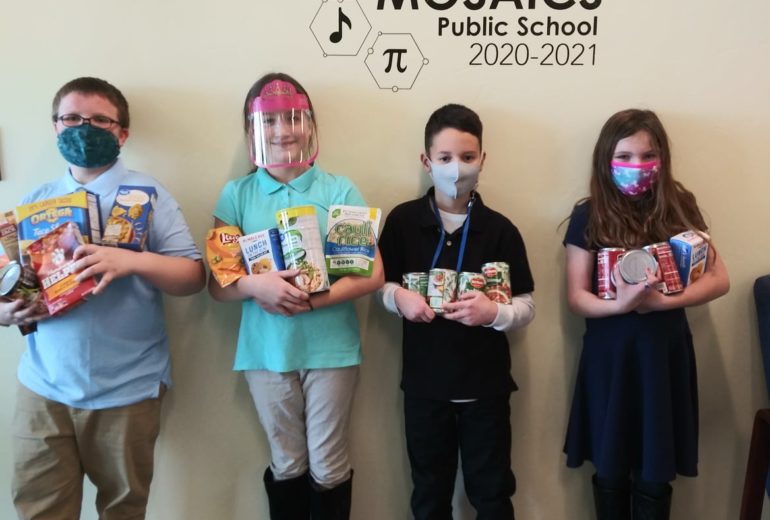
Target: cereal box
52, 259
262, 251
224, 254
36, 219
128, 225
690, 252
351, 240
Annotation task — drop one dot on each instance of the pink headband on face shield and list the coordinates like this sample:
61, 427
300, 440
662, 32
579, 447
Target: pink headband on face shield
279, 96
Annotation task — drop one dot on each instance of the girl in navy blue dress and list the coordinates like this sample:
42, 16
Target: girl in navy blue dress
635, 407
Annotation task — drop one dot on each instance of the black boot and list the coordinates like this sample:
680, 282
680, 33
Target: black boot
648, 507
288, 499
612, 502
331, 504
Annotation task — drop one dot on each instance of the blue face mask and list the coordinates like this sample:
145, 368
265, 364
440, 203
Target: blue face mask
87, 146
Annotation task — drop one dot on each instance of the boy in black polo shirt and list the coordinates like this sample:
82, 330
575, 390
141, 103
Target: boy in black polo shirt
456, 368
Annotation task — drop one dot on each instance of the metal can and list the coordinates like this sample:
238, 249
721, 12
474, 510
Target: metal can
497, 278
672, 282
19, 282
415, 282
633, 265
606, 259
470, 282
442, 288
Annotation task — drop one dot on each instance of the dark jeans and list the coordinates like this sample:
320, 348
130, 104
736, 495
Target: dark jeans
482, 431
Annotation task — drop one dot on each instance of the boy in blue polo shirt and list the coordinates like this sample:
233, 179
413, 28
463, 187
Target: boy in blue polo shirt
456, 369
92, 379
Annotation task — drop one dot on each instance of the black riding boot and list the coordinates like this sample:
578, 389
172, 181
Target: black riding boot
288, 499
612, 499
649, 506
331, 504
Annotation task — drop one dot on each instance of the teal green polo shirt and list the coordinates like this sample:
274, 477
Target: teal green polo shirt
324, 338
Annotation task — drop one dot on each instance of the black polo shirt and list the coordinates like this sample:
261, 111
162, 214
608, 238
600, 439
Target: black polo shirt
445, 359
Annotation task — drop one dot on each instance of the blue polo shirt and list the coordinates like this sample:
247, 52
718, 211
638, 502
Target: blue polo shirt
324, 338
111, 350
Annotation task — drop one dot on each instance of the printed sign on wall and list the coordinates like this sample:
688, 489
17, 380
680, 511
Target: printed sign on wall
500, 33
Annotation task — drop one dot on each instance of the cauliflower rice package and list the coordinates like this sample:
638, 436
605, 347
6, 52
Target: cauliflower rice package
351, 240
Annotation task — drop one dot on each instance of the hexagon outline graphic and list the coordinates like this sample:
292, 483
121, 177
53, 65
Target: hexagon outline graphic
395, 88
342, 25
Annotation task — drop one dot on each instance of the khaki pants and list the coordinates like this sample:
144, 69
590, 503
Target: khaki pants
55, 445
305, 415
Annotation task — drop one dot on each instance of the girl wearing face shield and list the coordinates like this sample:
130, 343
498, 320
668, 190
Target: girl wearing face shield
299, 352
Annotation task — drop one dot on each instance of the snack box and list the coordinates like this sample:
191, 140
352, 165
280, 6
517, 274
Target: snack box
128, 225
262, 251
690, 250
37, 219
224, 254
52, 259
351, 240
9, 239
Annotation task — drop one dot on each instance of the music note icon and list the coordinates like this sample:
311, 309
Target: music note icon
336, 36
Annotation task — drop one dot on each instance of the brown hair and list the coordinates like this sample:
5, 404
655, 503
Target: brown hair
94, 87
616, 220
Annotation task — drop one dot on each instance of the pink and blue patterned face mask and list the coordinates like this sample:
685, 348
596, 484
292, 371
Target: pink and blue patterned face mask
634, 178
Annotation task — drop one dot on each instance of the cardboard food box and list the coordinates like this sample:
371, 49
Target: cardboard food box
37, 219
690, 250
52, 259
9, 239
262, 251
128, 225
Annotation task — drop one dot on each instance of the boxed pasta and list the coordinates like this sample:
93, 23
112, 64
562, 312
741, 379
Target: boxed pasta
302, 247
262, 251
128, 225
690, 250
351, 240
36, 219
52, 258
223, 254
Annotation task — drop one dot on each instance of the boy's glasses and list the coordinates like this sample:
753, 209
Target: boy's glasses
103, 122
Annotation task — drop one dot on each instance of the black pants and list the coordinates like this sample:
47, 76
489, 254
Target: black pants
481, 430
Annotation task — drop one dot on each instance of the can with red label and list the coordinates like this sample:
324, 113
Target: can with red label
470, 282
442, 288
672, 282
415, 282
497, 276
606, 259
18, 282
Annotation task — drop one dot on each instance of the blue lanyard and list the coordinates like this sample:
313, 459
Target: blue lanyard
464, 239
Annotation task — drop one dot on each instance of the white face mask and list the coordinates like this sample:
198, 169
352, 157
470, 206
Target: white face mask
455, 179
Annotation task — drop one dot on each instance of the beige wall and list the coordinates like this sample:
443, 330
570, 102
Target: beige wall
185, 67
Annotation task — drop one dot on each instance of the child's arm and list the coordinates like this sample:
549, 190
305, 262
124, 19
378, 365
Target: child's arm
351, 286
411, 305
583, 302
271, 291
174, 275
714, 283
16, 313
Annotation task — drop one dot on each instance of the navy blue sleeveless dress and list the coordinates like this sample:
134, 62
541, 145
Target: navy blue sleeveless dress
635, 406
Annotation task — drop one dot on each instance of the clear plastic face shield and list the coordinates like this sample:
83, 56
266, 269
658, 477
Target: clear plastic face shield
282, 132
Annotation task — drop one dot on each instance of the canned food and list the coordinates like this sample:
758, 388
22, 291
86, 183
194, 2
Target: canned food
606, 259
19, 282
415, 282
442, 288
497, 278
303, 248
672, 283
633, 265
470, 282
